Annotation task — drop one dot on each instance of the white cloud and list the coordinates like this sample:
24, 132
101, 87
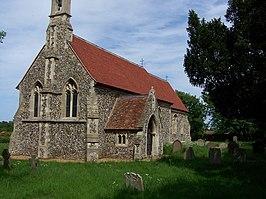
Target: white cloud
154, 30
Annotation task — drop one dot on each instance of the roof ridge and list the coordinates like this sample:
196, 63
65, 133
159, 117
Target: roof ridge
158, 77
108, 51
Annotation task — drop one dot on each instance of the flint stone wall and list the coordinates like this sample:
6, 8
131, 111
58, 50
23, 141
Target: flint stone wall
67, 137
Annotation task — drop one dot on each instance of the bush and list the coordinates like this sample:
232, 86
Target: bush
5, 138
167, 149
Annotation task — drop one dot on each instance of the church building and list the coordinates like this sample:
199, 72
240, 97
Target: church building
79, 101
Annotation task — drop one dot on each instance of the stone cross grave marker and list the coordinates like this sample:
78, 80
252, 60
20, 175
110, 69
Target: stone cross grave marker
34, 162
189, 154
134, 181
215, 157
177, 146
6, 156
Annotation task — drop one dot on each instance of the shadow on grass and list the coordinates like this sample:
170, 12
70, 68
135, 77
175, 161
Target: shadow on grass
208, 188
229, 180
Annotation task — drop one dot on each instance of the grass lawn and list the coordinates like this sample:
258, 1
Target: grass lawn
170, 177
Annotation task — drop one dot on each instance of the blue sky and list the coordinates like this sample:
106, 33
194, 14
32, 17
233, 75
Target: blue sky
154, 30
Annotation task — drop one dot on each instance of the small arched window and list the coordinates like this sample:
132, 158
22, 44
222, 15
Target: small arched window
71, 99
37, 100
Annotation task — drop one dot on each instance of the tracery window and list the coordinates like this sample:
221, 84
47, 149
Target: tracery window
71, 99
37, 100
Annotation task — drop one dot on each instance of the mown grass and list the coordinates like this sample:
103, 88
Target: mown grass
169, 177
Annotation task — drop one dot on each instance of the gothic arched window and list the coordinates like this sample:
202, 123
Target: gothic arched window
71, 99
37, 100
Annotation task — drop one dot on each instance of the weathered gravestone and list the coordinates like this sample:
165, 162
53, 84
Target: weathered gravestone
232, 147
34, 162
177, 146
134, 181
240, 155
258, 146
223, 145
235, 139
189, 154
6, 156
200, 142
215, 157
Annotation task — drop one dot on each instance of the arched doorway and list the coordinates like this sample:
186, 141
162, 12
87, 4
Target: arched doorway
152, 129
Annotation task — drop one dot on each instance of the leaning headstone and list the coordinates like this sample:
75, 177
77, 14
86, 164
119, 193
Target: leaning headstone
223, 145
232, 146
6, 156
200, 142
235, 139
240, 155
189, 154
215, 157
34, 162
258, 146
177, 146
134, 181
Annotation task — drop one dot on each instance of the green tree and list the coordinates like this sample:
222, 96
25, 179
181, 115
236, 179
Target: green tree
229, 62
196, 115
244, 129
2, 36
6, 126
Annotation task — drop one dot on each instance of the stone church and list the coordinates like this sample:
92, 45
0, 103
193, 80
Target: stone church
80, 102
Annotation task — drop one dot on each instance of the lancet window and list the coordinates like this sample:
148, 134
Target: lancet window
71, 99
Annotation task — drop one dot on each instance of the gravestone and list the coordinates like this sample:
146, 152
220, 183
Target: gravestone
223, 145
215, 157
232, 146
240, 155
235, 139
177, 146
6, 156
201, 142
258, 146
189, 154
134, 181
34, 162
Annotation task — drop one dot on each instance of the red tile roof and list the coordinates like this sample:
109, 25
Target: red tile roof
111, 70
126, 114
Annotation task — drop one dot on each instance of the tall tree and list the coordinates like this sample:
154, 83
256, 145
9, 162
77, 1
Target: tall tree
197, 112
229, 63
2, 36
